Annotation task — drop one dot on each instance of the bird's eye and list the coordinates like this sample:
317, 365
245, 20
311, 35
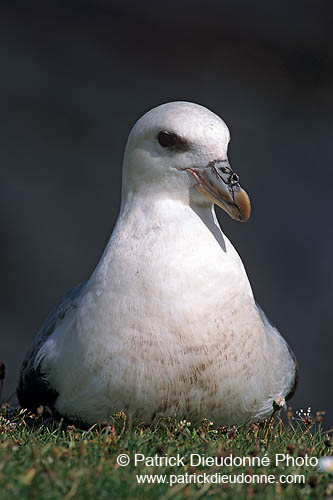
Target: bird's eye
170, 140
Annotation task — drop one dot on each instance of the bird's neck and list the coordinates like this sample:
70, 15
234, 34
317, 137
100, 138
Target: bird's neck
170, 213
145, 223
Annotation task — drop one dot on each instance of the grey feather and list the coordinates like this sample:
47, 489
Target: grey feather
294, 385
33, 388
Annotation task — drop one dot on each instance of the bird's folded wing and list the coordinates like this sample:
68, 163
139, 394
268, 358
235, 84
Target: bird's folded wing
33, 388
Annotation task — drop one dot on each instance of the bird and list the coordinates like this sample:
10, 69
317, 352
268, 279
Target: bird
167, 324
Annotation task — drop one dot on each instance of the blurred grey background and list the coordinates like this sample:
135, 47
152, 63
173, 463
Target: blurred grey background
75, 76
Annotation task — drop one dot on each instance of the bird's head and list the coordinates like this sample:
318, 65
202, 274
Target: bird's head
179, 150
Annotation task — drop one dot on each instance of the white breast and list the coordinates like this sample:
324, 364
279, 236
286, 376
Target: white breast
168, 324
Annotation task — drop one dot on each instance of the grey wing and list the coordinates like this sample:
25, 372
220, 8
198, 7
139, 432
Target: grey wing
33, 388
294, 383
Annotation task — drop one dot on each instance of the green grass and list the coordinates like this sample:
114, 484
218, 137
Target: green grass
43, 460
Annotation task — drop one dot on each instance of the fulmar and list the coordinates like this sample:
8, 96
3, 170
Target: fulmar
167, 324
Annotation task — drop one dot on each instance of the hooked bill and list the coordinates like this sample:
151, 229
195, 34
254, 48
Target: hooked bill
221, 185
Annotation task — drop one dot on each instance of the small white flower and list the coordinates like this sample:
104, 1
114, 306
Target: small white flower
280, 401
326, 464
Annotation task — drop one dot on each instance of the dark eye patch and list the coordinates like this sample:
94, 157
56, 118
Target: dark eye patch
172, 141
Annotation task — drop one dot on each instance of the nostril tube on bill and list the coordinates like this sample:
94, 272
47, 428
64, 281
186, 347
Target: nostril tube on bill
234, 178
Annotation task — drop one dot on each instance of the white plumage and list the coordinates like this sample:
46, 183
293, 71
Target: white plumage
167, 323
